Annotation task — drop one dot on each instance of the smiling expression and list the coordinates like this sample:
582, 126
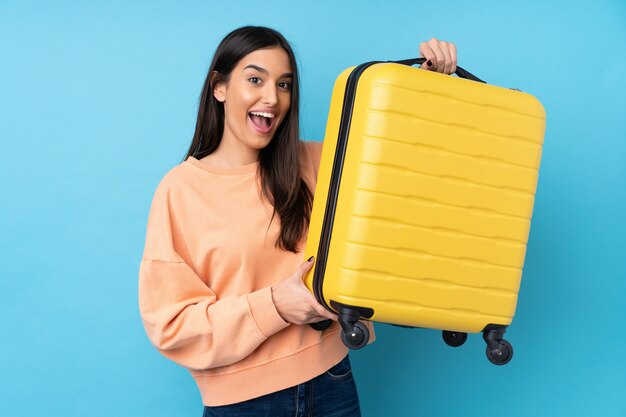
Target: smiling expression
256, 98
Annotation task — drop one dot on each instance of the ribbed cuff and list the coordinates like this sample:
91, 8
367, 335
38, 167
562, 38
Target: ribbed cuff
264, 312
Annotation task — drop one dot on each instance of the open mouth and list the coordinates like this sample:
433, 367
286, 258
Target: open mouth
262, 121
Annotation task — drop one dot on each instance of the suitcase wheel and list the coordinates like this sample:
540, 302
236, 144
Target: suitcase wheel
499, 351
454, 339
357, 337
322, 325
502, 354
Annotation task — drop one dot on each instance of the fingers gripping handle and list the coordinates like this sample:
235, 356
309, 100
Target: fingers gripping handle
459, 71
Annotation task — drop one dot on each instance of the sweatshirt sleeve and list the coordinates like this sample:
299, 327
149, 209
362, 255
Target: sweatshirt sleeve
183, 317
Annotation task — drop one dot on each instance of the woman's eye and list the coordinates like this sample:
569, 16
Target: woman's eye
254, 80
284, 85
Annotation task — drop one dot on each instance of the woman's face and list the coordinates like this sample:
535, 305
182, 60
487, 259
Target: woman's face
256, 98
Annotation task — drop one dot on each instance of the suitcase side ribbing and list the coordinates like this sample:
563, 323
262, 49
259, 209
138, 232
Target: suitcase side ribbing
454, 252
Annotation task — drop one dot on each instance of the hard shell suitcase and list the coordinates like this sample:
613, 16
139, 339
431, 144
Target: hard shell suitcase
423, 202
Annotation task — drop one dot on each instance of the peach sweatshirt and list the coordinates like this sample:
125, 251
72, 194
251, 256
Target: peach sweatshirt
204, 284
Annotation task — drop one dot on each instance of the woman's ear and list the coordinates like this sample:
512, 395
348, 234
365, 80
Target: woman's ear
218, 86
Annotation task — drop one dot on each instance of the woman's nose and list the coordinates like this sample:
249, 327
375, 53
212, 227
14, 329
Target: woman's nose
270, 96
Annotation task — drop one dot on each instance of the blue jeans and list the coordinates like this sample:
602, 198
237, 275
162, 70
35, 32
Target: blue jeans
332, 394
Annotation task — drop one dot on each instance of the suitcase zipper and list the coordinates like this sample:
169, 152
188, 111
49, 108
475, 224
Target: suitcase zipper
333, 191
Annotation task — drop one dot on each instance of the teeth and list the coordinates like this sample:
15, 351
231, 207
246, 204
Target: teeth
260, 113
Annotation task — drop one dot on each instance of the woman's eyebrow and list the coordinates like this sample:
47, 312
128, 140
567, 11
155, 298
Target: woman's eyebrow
264, 71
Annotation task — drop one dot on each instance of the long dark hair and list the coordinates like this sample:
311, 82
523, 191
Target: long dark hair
279, 164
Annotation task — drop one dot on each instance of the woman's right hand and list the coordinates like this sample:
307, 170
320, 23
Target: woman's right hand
295, 303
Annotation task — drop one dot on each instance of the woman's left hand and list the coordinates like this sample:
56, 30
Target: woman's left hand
440, 54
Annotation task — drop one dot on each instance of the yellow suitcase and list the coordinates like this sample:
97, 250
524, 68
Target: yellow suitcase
423, 203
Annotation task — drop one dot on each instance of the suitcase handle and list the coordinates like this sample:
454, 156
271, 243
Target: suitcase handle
459, 71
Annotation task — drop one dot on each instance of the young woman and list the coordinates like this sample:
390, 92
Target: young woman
220, 282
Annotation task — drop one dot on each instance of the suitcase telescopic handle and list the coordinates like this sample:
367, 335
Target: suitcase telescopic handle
459, 71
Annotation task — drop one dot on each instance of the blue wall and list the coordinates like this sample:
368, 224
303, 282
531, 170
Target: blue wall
98, 101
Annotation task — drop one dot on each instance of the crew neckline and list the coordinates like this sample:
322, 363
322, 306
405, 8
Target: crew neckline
240, 170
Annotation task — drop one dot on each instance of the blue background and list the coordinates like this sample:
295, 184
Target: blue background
98, 100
